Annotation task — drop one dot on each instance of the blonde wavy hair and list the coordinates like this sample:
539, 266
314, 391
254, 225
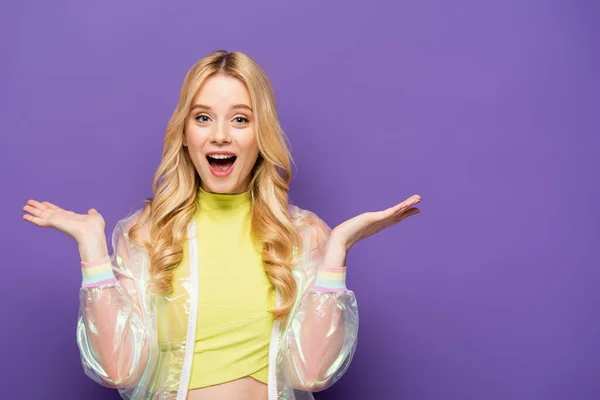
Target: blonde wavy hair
176, 183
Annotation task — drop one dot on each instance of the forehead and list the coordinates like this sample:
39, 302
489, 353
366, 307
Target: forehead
222, 90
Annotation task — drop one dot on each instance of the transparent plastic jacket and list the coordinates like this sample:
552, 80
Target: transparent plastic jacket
120, 324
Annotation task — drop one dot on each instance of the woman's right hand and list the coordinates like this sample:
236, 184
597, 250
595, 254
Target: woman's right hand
79, 226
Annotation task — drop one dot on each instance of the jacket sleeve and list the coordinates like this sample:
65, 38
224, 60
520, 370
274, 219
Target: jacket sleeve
320, 337
112, 334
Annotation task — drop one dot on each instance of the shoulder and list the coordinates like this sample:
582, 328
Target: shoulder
124, 225
307, 221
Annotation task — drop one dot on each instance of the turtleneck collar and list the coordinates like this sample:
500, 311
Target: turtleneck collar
222, 201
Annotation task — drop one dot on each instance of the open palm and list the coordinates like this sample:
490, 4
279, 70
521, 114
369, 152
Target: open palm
364, 225
46, 214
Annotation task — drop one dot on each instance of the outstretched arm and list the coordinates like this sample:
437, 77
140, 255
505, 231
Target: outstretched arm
322, 334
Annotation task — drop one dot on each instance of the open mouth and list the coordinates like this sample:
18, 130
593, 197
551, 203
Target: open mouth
221, 163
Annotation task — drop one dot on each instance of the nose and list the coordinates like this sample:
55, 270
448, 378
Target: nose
220, 135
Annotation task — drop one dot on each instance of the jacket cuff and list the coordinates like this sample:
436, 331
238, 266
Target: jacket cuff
97, 273
330, 279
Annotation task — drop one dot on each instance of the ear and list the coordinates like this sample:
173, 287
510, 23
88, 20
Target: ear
184, 140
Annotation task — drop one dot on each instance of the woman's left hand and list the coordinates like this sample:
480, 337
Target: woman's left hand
364, 225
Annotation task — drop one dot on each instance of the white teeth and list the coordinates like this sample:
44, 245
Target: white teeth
220, 156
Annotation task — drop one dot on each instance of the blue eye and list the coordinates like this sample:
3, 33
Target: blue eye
199, 118
243, 120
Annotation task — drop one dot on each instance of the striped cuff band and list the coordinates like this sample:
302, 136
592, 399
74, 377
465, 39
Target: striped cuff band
98, 272
330, 280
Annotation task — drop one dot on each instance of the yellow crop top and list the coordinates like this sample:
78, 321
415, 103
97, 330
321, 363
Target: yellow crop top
234, 327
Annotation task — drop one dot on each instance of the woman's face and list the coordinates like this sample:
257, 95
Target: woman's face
220, 137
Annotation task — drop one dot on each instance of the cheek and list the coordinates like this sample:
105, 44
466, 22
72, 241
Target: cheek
195, 137
250, 143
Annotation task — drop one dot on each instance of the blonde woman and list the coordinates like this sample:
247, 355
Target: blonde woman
218, 288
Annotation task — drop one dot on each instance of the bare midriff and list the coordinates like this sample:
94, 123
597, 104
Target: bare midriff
246, 388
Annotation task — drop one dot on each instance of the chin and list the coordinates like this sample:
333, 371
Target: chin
220, 187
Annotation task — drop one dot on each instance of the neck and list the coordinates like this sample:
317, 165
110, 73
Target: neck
223, 201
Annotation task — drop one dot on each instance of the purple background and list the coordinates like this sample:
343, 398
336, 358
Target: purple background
487, 109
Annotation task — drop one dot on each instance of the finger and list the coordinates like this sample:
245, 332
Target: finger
407, 213
394, 212
36, 212
36, 204
398, 209
50, 205
411, 211
411, 201
35, 220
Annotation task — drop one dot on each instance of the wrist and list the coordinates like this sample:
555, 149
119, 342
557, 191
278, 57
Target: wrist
92, 248
335, 253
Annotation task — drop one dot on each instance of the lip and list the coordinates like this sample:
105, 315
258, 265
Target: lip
220, 174
229, 153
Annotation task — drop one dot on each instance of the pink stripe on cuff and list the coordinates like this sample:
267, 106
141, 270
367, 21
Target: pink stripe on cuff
328, 290
332, 269
105, 282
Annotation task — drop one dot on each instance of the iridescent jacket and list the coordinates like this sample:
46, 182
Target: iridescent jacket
309, 352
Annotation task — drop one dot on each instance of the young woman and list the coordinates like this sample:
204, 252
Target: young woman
218, 288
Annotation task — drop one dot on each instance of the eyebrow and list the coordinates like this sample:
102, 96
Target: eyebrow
236, 106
